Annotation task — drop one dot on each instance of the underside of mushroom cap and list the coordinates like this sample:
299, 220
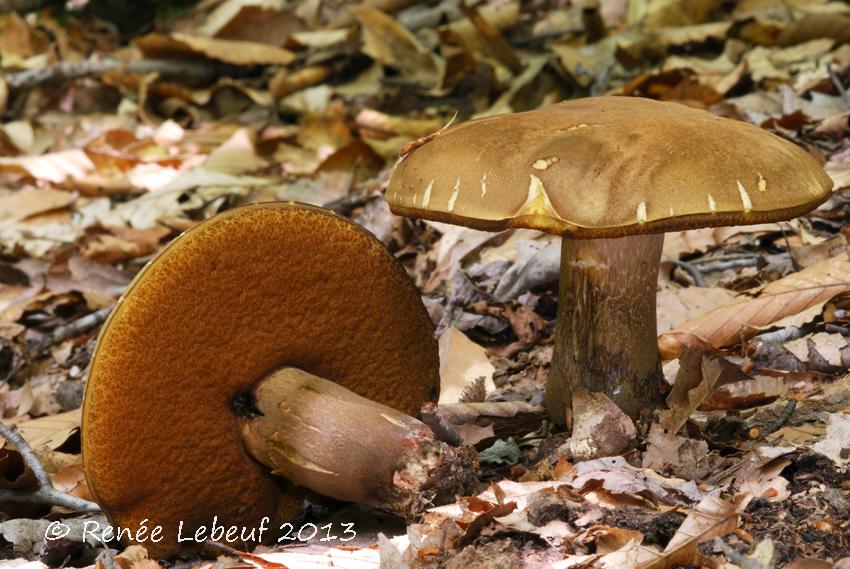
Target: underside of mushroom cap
229, 302
607, 167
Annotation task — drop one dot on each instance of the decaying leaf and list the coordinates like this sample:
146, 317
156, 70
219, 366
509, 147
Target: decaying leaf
711, 518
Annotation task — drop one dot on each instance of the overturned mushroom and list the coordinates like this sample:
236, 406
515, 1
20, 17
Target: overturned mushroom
279, 329
610, 175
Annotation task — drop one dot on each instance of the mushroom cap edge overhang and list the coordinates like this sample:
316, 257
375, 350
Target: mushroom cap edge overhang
607, 167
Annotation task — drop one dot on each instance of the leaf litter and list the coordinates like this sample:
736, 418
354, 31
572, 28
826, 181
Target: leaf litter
113, 145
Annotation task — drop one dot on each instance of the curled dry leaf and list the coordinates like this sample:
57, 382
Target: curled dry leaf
679, 456
743, 316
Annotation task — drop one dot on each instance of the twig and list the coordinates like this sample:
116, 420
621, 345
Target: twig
75, 328
59, 335
443, 430
46, 493
780, 336
67, 70
780, 421
836, 80
723, 265
692, 271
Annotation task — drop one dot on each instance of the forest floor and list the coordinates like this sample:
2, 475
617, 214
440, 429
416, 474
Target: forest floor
113, 144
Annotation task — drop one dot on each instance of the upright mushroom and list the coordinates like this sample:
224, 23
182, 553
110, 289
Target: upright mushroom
610, 175
278, 329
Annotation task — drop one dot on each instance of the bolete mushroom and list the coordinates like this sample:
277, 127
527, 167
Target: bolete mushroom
610, 175
279, 330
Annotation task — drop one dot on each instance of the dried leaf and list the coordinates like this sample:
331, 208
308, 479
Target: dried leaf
462, 361
391, 44
600, 428
746, 315
178, 45
711, 518
836, 444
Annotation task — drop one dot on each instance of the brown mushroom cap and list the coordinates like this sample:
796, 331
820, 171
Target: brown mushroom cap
226, 304
607, 167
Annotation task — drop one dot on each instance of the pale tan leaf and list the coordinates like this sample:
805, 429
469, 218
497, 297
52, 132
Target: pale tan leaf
837, 439
56, 167
743, 316
21, 204
50, 432
461, 362
600, 428
229, 51
389, 43
675, 306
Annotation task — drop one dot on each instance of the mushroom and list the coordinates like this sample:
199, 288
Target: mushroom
610, 175
275, 331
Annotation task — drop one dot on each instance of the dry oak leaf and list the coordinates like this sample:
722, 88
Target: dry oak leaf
185, 46
747, 314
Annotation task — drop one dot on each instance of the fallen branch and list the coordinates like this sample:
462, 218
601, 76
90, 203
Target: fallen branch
68, 70
46, 493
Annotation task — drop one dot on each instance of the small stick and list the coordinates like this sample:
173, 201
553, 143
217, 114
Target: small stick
46, 493
75, 328
443, 430
845, 96
59, 335
67, 70
692, 271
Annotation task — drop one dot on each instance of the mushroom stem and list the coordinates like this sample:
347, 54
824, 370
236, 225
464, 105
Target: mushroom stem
606, 339
328, 439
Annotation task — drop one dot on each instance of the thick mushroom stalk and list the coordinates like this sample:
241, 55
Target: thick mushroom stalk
606, 337
328, 439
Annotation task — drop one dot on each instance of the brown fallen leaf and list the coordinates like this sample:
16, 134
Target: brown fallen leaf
747, 314
745, 393
679, 456
698, 377
675, 306
15, 206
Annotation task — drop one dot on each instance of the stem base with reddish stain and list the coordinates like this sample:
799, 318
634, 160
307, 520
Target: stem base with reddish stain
606, 339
